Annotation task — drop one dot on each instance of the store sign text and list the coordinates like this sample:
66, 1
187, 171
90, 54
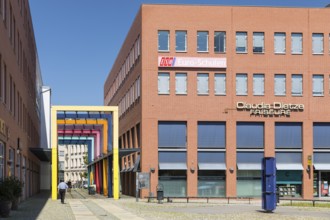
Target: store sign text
273, 109
192, 62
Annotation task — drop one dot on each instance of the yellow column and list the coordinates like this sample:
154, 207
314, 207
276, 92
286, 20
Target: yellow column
54, 152
115, 155
105, 176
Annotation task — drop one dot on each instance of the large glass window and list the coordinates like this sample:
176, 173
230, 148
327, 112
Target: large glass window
280, 84
297, 85
288, 135
279, 42
317, 43
211, 135
250, 135
163, 40
203, 83
318, 87
2, 160
296, 43
202, 41
321, 135
220, 84
172, 134
163, 83
211, 173
258, 84
172, 172
249, 183
181, 83
241, 42
241, 84
219, 41
258, 42
181, 41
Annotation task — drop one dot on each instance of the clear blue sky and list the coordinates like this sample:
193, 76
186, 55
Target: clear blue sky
78, 40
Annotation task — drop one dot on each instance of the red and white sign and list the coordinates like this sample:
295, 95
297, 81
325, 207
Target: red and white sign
194, 62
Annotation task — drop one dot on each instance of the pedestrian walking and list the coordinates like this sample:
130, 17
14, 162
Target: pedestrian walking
62, 186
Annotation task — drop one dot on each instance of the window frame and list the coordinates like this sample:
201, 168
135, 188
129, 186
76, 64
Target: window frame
246, 84
255, 77
256, 36
279, 74
302, 85
207, 41
301, 44
278, 36
315, 93
313, 43
242, 34
177, 92
199, 76
176, 41
160, 92
168, 40
221, 37
223, 91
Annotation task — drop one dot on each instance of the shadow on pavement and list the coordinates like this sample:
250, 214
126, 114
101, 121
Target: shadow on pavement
31, 207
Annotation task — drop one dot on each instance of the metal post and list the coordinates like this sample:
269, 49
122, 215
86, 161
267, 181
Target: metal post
137, 186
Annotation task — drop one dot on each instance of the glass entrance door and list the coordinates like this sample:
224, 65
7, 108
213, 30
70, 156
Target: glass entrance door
325, 179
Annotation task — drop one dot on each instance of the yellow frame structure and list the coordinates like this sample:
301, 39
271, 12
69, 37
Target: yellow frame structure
115, 150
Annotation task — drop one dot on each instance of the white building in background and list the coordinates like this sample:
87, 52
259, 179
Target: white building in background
71, 163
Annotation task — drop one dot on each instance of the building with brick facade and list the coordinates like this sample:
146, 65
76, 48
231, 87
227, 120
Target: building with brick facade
20, 96
205, 92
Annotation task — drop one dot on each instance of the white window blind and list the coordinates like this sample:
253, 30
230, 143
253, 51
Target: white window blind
297, 85
258, 84
296, 43
203, 83
220, 84
279, 42
163, 83
241, 42
181, 83
279, 87
318, 85
163, 41
258, 42
241, 84
317, 42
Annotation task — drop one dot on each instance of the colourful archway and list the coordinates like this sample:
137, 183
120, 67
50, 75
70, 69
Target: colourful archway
97, 127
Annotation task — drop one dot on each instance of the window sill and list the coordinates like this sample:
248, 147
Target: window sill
203, 94
216, 52
163, 51
163, 93
279, 53
296, 95
318, 54
314, 95
296, 53
220, 94
241, 94
241, 52
258, 52
182, 94
181, 51
202, 51
281, 95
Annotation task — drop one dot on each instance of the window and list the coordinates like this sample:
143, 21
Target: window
296, 89
172, 134
258, 42
211, 135
241, 84
61, 165
163, 40
288, 135
219, 41
181, 41
296, 43
241, 42
181, 83
318, 85
61, 154
279, 43
279, 84
317, 42
163, 83
250, 135
202, 41
220, 84
203, 83
258, 84
2, 160
321, 135
12, 162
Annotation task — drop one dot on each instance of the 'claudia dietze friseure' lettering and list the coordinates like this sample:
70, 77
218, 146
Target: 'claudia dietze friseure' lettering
273, 109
